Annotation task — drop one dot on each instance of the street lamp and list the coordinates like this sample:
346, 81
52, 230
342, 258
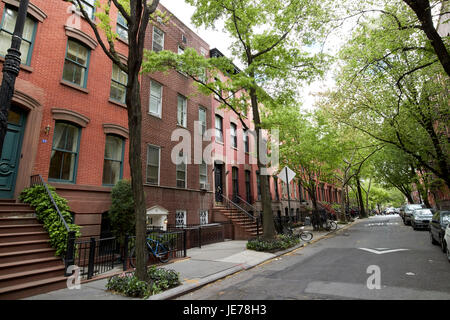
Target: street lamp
11, 68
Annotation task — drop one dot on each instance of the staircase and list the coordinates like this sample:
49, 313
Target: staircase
28, 265
245, 227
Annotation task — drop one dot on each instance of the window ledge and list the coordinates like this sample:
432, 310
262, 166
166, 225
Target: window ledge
124, 41
74, 86
22, 66
154, 115
117, 103
182, 127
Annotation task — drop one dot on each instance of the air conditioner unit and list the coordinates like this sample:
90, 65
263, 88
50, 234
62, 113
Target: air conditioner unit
204, 186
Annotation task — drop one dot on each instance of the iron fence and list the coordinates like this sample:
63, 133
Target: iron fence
96, 256
198, 235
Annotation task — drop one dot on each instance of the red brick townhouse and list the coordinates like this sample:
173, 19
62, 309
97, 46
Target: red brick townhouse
175, 112
68, 122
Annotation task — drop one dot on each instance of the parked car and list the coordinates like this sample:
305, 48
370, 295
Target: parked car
447, 241
407, 212
421, 218
390, 211
437, 228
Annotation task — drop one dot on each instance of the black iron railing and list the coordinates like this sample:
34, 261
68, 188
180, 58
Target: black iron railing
198, 235
230, 204
69, 258
96, 256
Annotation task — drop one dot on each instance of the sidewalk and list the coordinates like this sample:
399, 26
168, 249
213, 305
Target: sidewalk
203, 265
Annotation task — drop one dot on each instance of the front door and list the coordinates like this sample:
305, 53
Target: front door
11, 153
218, 181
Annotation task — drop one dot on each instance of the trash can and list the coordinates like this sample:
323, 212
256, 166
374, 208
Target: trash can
307, 221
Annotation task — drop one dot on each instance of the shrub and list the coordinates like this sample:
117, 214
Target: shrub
128, 284
281, 242
121, 213
37, 197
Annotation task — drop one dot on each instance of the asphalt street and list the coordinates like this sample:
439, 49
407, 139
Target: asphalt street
378, 258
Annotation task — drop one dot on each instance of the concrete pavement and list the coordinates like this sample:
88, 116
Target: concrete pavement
203, 266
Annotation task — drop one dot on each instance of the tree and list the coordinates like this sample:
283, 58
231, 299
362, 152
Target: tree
137, 14
392, 88
308, 146
268, 40
121, 214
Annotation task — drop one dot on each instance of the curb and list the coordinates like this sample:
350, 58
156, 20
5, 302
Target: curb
186, 288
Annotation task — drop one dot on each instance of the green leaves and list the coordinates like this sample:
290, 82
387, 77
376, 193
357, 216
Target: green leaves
121, 214
46, 213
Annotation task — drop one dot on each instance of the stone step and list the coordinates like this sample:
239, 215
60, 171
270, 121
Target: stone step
21, 228
29, 265
14, 206
25, 236
24, 245
17, 213
32, 288
31, 276
29, 254
17, 220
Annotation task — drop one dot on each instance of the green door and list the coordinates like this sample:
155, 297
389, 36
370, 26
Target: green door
11, 154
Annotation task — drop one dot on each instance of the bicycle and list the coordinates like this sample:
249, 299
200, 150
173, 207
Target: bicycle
330, 225
155, 248
304, 235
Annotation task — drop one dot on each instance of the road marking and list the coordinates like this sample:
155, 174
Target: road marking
360, 291
381, 224
382, 250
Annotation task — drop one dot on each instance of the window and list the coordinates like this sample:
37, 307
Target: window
248, 190
182, 111
216, 96
203, 217
119, 81
64, 156
181, 51
122, 27
180, 218
89, 7
246, 143
158, 40
76, 63
181, 171
202, 119
183, 39
235, 180
155, 107
113, 163
258, 184
6, 32
219, 129
153, 159
233, 133
203, 168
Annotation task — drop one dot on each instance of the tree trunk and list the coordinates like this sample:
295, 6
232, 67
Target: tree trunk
133, 100
362, 213
269, 231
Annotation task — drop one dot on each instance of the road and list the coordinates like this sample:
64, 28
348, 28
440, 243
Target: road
377, 258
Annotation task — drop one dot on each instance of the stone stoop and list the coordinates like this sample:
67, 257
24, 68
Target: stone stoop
244, 227
28, 265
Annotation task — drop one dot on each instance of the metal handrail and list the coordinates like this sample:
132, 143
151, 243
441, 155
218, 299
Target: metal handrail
238, 207
42, 182
248, 204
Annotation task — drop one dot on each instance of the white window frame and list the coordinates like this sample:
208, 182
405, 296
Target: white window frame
153, 39
159, 164
158, 114
204, 173
183, 122
203, 125
184, 157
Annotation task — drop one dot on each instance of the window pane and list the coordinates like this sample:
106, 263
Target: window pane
155, 98
118, 92
158, 39
182, 117
73, 73
113, 148
122, 32
152, 174
111, 171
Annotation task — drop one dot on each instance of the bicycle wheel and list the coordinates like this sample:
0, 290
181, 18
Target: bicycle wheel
162, 253
333, 225
132, 258
306, 236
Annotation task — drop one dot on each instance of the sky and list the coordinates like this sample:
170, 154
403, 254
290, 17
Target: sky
218, 39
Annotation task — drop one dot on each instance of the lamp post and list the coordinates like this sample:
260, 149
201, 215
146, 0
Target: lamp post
11, 68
